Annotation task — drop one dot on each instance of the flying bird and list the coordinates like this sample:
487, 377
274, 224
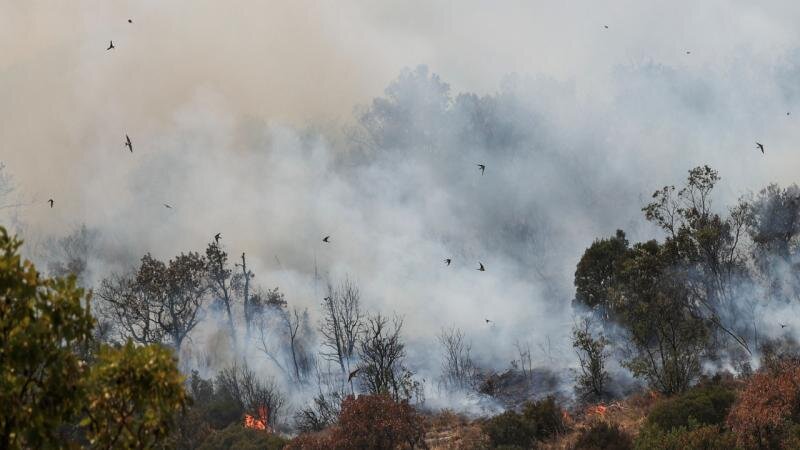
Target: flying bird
128, 143
110, 45
688, 52
487, 320
481, 167
130, 20
481, 268
326, 239
216, 237
448, 261
760, 147
353, 374
605, 26
51, 202
167, 206
783, 325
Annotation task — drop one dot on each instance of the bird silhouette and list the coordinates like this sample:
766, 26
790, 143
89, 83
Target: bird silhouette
481, 268
130, 20
605, 26
448, 261
326, 239
353, 374
487, 320
216, 237
783, 325
167, 206
128, 143
760, 147
110, 45
481, 167
51, 202
688, 52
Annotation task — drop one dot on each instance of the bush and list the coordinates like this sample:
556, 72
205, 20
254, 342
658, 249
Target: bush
369, 422
707, 405
709, 437
546, 416
237, 437
768, 409
509, 429
603, 436
538, 421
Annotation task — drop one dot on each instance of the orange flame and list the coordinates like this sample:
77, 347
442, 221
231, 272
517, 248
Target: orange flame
258, 423
599, 409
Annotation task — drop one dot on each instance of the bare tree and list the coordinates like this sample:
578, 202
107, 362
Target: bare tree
325, 407
159, 303
253, 393
285, 338
224, 283
341, 323
458, 369
382, 355
249, 312
525, 359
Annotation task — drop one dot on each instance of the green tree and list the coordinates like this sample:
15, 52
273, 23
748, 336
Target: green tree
134, 395
42, 323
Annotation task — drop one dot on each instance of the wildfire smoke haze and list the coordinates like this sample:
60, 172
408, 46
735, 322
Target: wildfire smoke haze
302, 170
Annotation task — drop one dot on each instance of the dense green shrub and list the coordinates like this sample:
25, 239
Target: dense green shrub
706, 405
603, 436
709, 437
538, 421
237, 437
509, 429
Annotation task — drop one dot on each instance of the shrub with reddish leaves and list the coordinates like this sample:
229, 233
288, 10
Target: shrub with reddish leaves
370, 422
768, 409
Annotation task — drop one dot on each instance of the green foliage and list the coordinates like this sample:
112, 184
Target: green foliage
709, 437
597, 272
603, 436
707, 405
237, 437
538, 421
134, 395
42, 323
592, 379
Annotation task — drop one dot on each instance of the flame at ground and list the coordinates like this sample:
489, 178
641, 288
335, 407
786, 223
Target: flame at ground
257, 422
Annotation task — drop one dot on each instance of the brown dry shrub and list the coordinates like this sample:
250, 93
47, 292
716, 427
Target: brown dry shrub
369, 422
768, 407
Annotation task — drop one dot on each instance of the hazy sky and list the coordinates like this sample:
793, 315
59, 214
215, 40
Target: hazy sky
220, 97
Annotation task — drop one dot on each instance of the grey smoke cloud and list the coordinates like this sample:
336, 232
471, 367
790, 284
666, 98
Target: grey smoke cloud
237, 113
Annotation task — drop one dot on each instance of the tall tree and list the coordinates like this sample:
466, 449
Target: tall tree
224, 283
342, 322
159, 303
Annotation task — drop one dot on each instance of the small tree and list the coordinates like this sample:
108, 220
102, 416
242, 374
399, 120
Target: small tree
134, 397
592, 379
458, 370
382, 356
224, 283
